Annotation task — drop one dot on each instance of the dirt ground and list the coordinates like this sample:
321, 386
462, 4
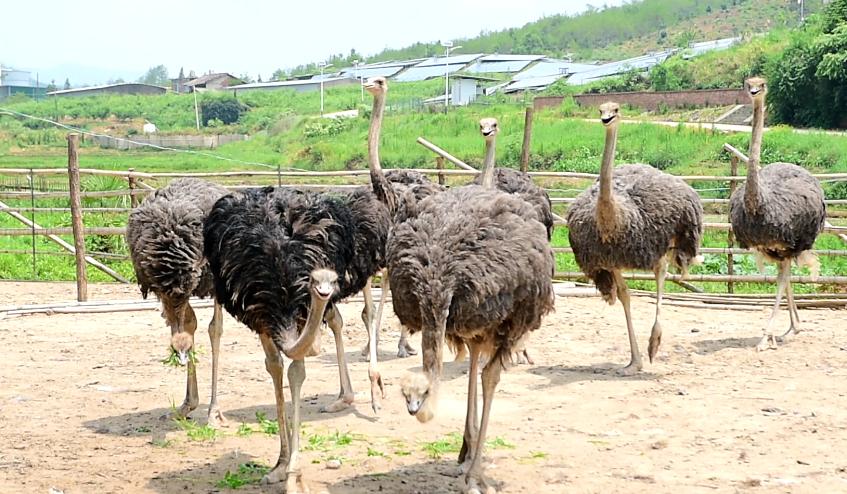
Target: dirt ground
81, 398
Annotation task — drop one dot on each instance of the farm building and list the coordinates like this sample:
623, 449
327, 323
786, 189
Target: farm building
121, 88
213, 82
19, 82
465, 88
381, 69
502, 64
436, 67
297, 85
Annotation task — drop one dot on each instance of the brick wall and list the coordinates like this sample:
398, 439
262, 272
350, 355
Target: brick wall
650, 100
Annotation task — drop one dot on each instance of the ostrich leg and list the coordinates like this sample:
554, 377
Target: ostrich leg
474, 479
294, 483
188, 322
635, 364
368, 318
656, 334
377, 387
471, 421
273, 364
792, 311
768, 340
345, 396
216, 329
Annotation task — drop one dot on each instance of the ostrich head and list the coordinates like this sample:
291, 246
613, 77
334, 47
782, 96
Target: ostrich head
610, 114
420, 396
323, 283
756, 87
488, 128
377, 85
181, 342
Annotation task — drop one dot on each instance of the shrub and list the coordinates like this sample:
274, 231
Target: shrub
225, 110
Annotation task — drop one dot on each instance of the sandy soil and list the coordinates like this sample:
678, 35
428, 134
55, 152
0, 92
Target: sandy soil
81, 398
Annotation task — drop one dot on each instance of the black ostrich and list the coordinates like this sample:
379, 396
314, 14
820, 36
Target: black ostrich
633, 217
165, 238
473, 267
779, 213
265, 247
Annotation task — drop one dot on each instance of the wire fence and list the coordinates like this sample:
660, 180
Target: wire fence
38, 201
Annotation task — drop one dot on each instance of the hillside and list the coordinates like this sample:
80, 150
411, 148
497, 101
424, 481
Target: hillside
628, 30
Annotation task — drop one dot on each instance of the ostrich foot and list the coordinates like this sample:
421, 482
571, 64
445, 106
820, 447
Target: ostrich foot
405, 350
476, 484
276, 475
632, 369
792, 331
377, 391
343, 402
768, 342
655, 341
216, 418
522, 357
181, 413
295, 484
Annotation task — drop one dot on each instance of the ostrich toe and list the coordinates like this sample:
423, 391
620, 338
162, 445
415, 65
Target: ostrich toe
404, 350
476, 484
768, 342
655, 341
296, 485
343, 402
276, 475
630, 370
216, 418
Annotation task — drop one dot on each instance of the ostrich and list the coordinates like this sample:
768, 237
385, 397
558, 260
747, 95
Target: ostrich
520, 183
165, 238
264, 246
473, 267
633, 217
779, 213
409, 187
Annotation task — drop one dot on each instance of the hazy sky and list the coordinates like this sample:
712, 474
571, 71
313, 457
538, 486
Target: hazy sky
247, 36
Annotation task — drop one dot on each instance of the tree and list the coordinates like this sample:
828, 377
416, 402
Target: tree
52, 86
67, 83
809, 81
181, 75
223, 110
157, 76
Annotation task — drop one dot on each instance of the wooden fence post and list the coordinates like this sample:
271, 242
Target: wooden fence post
439, 163
527, 137
730, 237
76, 217
133, 200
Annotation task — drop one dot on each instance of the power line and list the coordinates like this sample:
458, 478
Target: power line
13, 113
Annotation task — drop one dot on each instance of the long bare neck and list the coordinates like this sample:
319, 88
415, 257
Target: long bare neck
606, 209
308, 343
488, 164
751, 190
381, 186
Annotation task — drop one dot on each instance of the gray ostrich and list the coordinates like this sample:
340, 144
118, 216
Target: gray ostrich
633, 217
472, 267
409, 188
778, 212
520, 183
165, 238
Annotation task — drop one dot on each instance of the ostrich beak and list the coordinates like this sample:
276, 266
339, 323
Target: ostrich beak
413, 406
182, 356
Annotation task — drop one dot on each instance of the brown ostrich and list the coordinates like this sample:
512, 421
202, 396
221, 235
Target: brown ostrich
778, 212
472, 267
633, 217
165, 239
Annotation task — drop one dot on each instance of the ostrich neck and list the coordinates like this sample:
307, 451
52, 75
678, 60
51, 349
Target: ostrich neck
382, 188
304, 346
488, 164
606, 209
751, 191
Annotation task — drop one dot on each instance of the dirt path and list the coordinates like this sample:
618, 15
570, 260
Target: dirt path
81, 397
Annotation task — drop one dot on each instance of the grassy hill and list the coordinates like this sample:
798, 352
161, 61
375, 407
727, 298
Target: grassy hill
629, 30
